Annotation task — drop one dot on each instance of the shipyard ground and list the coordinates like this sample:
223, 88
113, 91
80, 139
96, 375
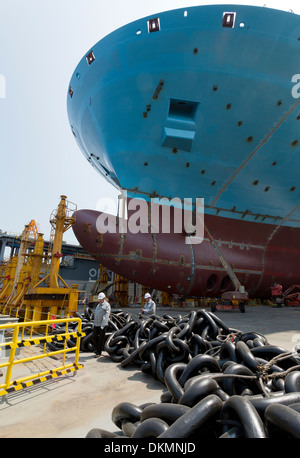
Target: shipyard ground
69, 406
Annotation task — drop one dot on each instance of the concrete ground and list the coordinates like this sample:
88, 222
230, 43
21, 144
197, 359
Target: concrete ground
70, 405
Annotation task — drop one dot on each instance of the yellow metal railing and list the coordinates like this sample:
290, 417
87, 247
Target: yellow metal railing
18, 342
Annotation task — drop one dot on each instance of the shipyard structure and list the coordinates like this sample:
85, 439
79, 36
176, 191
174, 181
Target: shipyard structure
193, 115
40, 277
200, 102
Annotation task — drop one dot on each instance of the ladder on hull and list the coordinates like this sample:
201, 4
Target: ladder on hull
239, 293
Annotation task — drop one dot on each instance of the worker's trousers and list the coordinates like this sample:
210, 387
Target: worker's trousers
99, 339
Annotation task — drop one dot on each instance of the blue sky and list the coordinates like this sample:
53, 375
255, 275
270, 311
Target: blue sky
40, 45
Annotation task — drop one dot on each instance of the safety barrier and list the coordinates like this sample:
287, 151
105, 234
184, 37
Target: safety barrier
18, 342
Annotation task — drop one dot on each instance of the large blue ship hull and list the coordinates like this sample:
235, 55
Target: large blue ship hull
235, 142
199, 102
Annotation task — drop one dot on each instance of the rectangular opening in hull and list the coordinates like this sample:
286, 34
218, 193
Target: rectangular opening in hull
182, 110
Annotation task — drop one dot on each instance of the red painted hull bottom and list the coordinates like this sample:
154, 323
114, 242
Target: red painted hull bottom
258, 253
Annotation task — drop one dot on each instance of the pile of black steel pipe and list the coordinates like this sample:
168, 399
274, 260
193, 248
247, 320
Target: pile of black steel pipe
118, 320
220, 382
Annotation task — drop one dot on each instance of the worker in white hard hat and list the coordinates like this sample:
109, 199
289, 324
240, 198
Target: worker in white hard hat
150, 306
101, 317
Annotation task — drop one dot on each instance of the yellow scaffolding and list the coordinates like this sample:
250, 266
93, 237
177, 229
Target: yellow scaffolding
121, 290
46, 295
8, 279
30, 281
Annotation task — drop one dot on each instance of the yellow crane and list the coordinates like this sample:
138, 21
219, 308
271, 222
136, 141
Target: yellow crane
46, 296
31, 282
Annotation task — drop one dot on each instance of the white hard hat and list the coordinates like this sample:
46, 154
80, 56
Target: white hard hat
101, 296
147, 295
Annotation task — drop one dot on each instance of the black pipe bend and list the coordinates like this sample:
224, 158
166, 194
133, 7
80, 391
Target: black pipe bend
246, 355
283, 418
196, 364
169, 339
217, 376
166, 411
125, 328
198, 391
235, 385
242, 408
270, 351
261, 402
172, 374
295, 406
128, 428
198, 345
150, 344
160, 366
220, 323
292, 382
228, 350
209, 320
195, 418
166, 397
252, 335
98, 433
152, 427
134, 355
125, 411
192, 318
183, 355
